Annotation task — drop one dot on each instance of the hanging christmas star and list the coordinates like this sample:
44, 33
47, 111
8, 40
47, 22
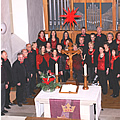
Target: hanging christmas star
70, 16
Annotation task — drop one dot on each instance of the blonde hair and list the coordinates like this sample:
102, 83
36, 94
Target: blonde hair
91, 43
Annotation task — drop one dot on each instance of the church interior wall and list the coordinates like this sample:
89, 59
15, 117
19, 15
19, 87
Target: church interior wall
6, 38
35, 18
27, 16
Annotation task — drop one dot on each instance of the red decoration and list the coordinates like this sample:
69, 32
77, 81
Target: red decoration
70, 16
45, 80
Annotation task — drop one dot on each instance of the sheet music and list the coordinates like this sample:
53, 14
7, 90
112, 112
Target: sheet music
69, 88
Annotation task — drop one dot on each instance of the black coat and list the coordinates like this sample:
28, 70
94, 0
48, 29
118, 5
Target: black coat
84, 48
62, 61
86, 39
8, 69
52, 62
62, 42
116, 66
116, 45
28, 66
88, 59
40, 43
3, 75
57, 39
112, 45
32, 60
19, 72
100, 41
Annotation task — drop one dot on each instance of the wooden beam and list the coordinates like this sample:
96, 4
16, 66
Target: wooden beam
45, 8
85, 14
114, 14
72, 7
100, 14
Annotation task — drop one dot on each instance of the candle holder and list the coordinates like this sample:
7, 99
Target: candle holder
56, 80
85, 87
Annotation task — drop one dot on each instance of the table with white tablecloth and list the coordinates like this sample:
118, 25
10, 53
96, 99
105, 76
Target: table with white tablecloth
86, 97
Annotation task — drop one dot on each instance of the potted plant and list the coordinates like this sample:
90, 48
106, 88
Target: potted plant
48, 82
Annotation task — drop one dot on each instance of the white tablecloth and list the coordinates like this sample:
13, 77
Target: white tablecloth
92, 95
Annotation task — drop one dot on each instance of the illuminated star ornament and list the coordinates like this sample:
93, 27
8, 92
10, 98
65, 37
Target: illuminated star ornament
70, 16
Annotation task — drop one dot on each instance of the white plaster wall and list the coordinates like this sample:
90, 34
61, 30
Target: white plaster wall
17, 45
6, 38
27, 22
35, 18
20, 19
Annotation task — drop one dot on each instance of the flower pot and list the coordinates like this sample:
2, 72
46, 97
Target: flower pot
49, 90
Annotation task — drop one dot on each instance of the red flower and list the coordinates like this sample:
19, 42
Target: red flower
51, 79
45, 79
47, 82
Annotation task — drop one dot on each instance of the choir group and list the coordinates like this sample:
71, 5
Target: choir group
100, 52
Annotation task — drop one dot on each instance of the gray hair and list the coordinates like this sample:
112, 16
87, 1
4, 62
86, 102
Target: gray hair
110, 34
99, 27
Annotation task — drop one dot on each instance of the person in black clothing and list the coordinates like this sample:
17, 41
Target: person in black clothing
19, 76
67, 44
62, 61
54, 40
65, 37
41, 39
29, 73
107, 51
82, 45
77, 65
108, 54
42, 60
93, 38
115, 73
90, 60
59, 49
117, 42
100, 39
110, 41
4, 85
34, 47
83, 34
32, 59
102, 68
54, 59
48, 48
8, 68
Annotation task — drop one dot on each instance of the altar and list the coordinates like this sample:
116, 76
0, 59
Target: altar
87, 99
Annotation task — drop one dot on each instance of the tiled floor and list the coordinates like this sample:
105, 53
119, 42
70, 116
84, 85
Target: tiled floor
110, 114
29, 110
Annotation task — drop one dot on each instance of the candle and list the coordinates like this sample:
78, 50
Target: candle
85, 69
56, 68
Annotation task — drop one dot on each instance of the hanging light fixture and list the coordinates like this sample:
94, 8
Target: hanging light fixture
3, 28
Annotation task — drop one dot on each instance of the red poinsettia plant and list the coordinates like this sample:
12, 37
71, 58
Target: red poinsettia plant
48, 82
